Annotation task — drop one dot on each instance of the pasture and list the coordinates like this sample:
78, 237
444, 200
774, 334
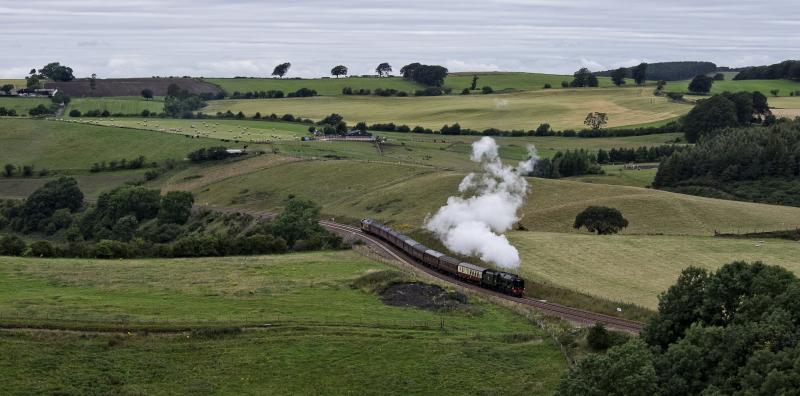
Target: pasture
323, 86
518, 81
72, 146
636, 268
240, 130
561, 108
323, 335
785, 106
22, 105
763, 86
124, 105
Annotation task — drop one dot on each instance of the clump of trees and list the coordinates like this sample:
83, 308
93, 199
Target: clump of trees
639, 73
584, 78
132, 221
754, 164
671, 71
333, 124
7, 112
724, 111
56, 72
179, 102
640, 154
728, 332
431, 75
209, 154
566, 164
271, 94
618, 76
600, 219
701, 84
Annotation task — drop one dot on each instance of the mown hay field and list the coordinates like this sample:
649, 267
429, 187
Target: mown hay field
636, 268
561, 108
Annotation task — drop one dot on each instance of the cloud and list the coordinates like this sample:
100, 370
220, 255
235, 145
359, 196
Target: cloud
248, 36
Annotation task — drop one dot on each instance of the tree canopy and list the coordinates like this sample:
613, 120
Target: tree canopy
639, 73
618, 76
583, 78
281, 69
789, 69
430, 75
601, 219
701, 84
383, 69
56, 72
339, 70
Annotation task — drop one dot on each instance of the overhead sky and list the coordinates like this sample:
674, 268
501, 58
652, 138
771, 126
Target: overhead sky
248, 37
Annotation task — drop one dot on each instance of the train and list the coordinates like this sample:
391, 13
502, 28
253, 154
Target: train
503, 282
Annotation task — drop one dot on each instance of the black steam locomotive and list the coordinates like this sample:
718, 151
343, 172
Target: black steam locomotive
503, 282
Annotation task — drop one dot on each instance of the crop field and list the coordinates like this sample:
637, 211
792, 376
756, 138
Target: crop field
763, 86
636, 268
405, 194
67, 146
323, 336
16, 82
785, 106
22, 105
124, 105
561, 108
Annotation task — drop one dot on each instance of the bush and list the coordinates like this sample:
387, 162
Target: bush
74, 113
42, 249
487, 90
11, 245
547, 86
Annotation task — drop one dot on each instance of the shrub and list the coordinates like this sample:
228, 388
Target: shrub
42, 249
74, 113
487, 90
547, 86
11, 245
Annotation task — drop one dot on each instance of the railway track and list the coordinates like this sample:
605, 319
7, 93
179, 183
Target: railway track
568, 313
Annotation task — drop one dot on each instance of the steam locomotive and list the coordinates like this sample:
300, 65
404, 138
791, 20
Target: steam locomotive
503, 282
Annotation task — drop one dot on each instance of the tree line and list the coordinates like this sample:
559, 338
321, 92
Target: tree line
567, 164
639, 154
789, 70
668, 71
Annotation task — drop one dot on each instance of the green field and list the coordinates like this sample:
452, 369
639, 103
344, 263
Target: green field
68, 146
22, 105
561, 108
324, 336
618, 175
122, 104
406, 194
323, 86
763, 86
241, 130
519, 81
636, 268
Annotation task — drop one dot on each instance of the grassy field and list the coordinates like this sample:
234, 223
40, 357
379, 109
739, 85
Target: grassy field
636, 268
22, 105
763, 86
561, 108
326, 336
406, 194
323, 86
242, 130
16, 82
514, 80
66, 146
123, 104
619, 176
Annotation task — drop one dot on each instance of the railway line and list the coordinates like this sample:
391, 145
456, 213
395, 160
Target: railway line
568, 313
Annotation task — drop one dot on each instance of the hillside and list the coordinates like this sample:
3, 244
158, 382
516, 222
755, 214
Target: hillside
406, 194
561, 108
129, 86
315, 332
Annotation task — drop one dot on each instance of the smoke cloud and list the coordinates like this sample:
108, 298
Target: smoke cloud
473, 222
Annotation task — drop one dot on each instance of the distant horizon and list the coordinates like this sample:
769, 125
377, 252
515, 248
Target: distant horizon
248, 38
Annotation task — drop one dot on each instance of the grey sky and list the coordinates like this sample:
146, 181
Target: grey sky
247, 37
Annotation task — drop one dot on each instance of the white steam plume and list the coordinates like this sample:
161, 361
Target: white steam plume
474, 224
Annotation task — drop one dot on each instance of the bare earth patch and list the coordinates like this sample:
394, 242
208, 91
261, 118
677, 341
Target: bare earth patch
421, 295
